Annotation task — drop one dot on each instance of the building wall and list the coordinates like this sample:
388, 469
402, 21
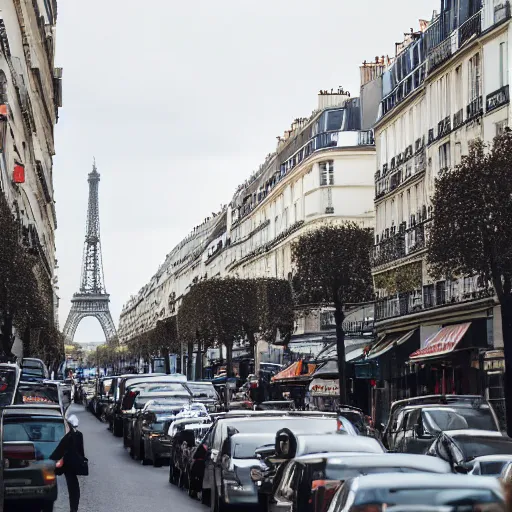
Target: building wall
463, 96
305, 184
31, 89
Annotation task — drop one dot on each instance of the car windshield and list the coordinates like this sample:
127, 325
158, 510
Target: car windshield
45, 433
480, 446
171, 402
396, 496
200, 391
7, 385
492, 468
344, 473
160, 387
460, 418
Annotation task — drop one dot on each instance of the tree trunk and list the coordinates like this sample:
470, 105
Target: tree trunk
189, 359
229, 369
167, 363
199, 360
6, 337
506, 320
339, 316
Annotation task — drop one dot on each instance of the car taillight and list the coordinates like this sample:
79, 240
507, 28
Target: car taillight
48, 476
19, 451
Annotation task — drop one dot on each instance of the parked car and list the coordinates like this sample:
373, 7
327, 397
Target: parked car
415, 423
182, 437
39, 393
360, 421
129, 411
102, 398
288, 445
275, 405
121, 383
10, 375
33, 370
382, 492
30, 434
205, 393
156, 411
461, 446
215, 444
310, 482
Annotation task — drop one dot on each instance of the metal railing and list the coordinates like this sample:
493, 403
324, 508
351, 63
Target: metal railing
470, 28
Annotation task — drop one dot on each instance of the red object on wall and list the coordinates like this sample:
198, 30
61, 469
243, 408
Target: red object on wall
18, 174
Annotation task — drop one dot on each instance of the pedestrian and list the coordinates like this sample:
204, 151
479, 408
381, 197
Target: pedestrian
70, 453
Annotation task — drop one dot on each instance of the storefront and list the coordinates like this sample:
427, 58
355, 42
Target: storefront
292, 383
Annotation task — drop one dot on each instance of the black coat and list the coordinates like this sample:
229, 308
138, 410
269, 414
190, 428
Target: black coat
73, 441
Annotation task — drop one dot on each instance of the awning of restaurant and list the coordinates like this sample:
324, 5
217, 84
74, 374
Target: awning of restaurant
389, 341
294, 371
442, 342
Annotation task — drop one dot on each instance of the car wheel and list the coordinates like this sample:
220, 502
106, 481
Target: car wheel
157, 463
47, 507
118, 428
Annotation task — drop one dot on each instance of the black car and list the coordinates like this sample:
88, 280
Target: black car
131, 407
182, 438
10, 375
149, 427
103, 398
309, 482
205, 393
120, 389
30, 434
458, 447
416, 422
216, 445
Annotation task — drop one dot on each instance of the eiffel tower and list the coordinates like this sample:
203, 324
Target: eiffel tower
92, 299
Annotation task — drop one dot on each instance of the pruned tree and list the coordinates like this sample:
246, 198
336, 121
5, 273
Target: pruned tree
333, 268
471, 232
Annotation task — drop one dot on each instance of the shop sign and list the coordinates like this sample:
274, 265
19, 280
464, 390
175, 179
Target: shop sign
324, 387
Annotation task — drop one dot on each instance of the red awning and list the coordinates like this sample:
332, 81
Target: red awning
293, 371
442, 342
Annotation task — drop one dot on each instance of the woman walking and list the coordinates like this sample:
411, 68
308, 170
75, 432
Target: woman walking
70, 453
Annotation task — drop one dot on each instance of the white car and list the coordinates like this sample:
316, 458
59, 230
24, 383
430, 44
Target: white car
489, 465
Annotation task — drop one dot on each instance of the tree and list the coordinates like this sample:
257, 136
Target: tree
471, 232
333, 267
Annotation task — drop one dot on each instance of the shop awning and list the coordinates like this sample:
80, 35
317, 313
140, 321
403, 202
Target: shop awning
294, 371
387, 342
442, 342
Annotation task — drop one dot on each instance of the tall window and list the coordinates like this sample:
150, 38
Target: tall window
503, 64
444, 156
327, 173
475, 77
458, 89
500, 126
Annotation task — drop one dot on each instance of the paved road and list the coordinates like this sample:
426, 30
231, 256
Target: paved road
116, 483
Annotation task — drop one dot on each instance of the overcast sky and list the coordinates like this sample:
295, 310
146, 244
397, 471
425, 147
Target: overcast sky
179, 102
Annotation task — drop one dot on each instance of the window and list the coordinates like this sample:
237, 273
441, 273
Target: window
444, 156
503, 64
458, 89
500, 126
295, 218
326, 173
475, 86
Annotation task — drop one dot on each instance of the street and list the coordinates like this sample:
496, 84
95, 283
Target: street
116, 483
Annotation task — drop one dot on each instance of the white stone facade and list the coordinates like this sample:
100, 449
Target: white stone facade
30, 95
453, 89
322, 172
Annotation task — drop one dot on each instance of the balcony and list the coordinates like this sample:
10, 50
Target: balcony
475, 108
432, 296
497, 99
406, 242
444, 127
472, 27
387, 181
458, 119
